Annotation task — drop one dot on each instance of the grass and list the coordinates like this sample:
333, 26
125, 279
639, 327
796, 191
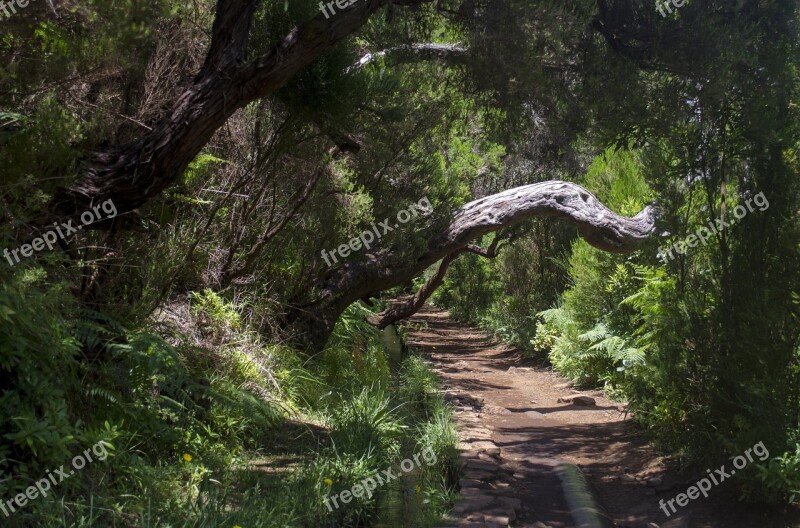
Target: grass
230, 432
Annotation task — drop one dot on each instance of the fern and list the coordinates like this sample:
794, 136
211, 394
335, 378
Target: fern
617, 349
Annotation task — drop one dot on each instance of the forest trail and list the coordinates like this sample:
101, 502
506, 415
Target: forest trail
503, 401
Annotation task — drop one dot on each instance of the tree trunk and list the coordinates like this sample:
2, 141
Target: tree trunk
133, 174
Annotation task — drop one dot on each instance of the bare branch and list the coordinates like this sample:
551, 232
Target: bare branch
402, 309
451, 53
270, 233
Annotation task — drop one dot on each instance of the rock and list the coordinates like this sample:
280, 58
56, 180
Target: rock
465, 483
627, 478
479, 474
567, 385
654, 481
578, 399
535, 414
487, 458
477, 433
584, 400
483, 446
502, 520
460, 508
475, 503
495, 410
511, 369
510, 502
482, 465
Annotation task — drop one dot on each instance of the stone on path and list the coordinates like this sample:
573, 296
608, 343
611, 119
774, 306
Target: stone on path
654, 481
578, 399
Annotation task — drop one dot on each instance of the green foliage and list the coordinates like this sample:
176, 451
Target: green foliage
220, 317
368, 424
441, 436
545, 338
38, 366
589, 330
468, 289
418, 383
355, 357
98, 342
778, 480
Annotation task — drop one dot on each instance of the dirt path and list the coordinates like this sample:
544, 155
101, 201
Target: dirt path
515, 432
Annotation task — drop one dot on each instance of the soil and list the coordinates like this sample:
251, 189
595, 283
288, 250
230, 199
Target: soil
503, 401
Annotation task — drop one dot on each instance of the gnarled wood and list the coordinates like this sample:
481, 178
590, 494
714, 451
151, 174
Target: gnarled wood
134, 173
383, 269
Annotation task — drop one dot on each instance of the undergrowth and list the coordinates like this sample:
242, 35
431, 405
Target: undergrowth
209, 427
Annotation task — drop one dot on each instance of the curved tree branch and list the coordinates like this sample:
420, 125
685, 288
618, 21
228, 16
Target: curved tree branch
384, 269
600, 226
406, 53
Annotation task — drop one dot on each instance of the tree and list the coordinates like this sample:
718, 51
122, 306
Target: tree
134, 173
385, 269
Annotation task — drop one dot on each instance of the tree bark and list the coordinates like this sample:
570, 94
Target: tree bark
134, 173
381, 270
421, 51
